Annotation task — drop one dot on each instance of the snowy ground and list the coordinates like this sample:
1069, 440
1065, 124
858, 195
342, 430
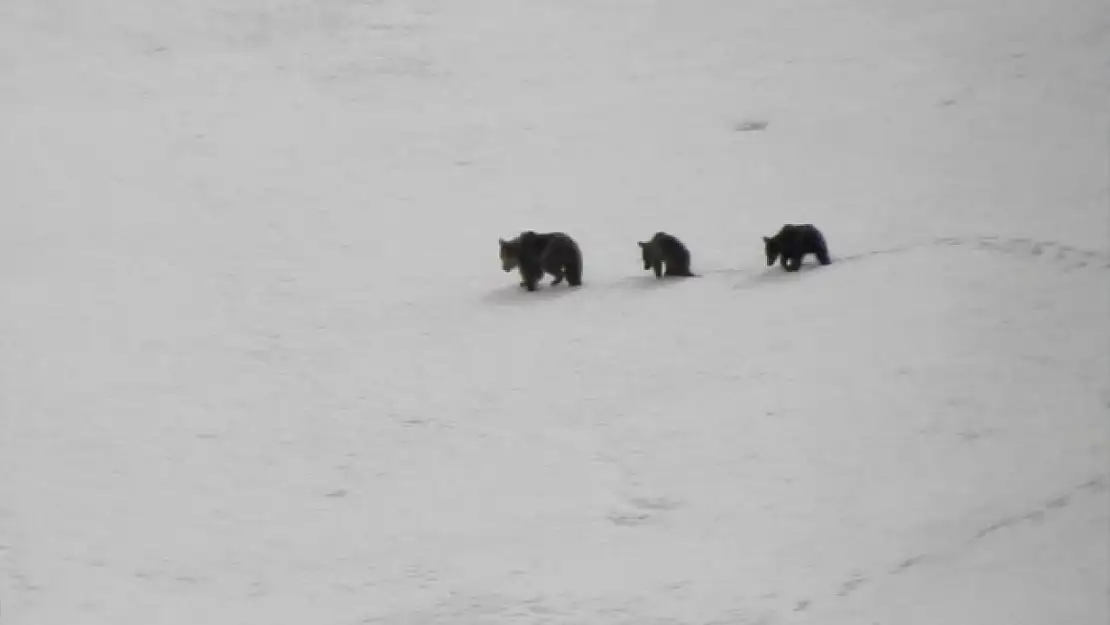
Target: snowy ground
259, 363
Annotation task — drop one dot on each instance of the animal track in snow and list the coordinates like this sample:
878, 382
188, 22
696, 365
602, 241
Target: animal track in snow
1038, 514
1068, 257
643, 510
1097, 484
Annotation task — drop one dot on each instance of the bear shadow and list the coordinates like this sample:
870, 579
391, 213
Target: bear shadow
516, 294
649, 282
777, 275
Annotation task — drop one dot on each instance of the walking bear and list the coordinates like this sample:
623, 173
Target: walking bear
793, 243
534, 254
666, 249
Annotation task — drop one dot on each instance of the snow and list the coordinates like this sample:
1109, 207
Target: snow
259, 362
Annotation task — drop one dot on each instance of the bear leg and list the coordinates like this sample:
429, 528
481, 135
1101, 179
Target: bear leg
573, 271
528, 279
555, 269
678, 271
822, 254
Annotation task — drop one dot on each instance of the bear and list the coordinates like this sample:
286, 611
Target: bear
533, 254
666, 249
792, 243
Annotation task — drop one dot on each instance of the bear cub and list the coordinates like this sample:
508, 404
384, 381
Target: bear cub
666, 249
533, 254
793, 243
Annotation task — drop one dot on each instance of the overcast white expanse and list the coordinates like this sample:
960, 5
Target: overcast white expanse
259, 363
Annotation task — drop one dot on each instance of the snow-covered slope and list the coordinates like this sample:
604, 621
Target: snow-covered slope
259, 363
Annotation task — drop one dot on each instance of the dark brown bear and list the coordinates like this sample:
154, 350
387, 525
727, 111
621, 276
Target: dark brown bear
665, 249
534, 254
792, 243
